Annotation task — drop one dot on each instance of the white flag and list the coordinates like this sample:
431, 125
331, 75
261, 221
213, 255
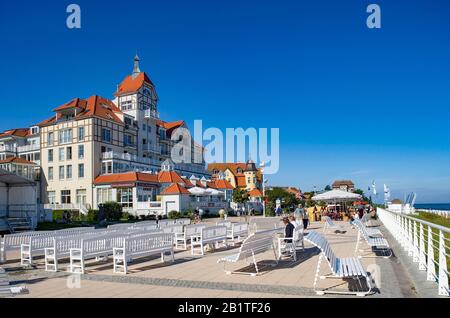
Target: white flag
387, 192
374, 188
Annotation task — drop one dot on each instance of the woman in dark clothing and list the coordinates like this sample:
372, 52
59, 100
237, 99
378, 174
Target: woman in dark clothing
289, 229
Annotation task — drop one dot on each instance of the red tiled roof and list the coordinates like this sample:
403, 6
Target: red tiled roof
233, 166
240, 181
94, 106
169, 177
187, 183
76, 102
131, 85
16, 160
255, 193
170, 126
47, 121
18, 132
175, 188
199, 184
126, 177
220, 184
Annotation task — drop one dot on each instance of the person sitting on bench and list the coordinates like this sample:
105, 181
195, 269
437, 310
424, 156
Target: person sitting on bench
289, 229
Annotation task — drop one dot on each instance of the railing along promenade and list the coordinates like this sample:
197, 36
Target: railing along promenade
426, 243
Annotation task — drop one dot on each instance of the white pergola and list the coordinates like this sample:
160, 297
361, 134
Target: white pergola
336, 196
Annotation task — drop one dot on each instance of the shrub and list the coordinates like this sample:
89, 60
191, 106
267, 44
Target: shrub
174, 215
58, 215
92, 215
113, 211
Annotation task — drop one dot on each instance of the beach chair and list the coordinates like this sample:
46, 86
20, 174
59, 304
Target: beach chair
373, 242
253, 245
329, 224
341, 268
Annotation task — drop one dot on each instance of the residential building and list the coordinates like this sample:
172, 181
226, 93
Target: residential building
344, 185
87, 138
159, 193
240, 175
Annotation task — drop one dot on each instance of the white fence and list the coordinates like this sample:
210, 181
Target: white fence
426, 243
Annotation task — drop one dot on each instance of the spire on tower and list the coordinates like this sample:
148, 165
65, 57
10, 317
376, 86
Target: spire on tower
136, 70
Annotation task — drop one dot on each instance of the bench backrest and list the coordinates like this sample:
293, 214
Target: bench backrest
177, 228
147, 242
362, 228
149, 222
319, 241
193, 229
62, 245
17, 239
297, 234
183, 221
256, 243
44, 241
145, 226
212, 232
239, 228
328, 220
121, 226
166, 222
224, 223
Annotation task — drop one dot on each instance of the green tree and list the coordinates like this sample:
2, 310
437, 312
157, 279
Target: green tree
364, 197
240, 195
288, 200
328, 188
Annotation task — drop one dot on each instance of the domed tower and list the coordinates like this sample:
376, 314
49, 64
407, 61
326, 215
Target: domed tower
250, 175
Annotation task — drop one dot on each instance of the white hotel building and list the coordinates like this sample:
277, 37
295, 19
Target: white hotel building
88, 138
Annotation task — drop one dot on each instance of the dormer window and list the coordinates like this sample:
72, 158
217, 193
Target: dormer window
34, 130
239, 170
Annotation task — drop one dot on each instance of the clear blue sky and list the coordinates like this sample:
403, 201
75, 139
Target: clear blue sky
350, 102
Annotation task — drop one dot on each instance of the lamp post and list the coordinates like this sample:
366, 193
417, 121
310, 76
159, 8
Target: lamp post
262, 165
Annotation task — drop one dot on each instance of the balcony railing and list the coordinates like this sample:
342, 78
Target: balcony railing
130, 157
183, 168
28, 148
149, 113
152, 149
7, 148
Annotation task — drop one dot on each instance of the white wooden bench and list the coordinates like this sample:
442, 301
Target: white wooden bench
11, 242
237, 231
61, 246
173, 229
373, 242
145, 226
166, 222
97, 247
329, 224
183, 221
287, 246
253, 245
224, 223
349, 267
181, 239
208, 235
36, 244
142, 246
